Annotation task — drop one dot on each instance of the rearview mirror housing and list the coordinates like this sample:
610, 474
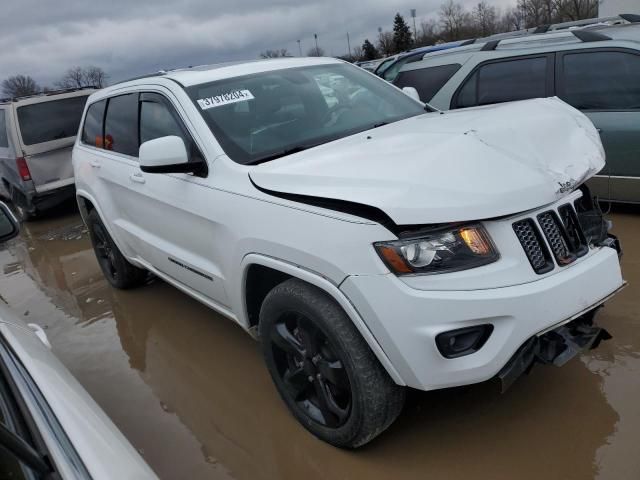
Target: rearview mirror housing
168, 155
9, 226
412, 92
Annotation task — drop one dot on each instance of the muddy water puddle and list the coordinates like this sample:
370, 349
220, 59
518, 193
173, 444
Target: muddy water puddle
189, 390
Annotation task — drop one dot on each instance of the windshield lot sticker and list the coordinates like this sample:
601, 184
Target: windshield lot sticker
225, 99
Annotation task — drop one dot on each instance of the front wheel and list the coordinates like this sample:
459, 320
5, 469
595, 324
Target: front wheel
323, 369
118, 271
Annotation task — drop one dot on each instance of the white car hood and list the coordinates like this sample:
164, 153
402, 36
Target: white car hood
461, 165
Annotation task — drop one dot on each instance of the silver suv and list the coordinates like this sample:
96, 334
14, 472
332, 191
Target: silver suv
36, 137
595, 68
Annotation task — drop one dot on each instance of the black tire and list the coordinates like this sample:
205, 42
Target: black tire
354, 399
118, 271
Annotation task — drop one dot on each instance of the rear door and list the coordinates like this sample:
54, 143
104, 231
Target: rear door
47, 127
604, 84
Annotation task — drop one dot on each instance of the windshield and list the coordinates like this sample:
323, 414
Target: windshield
268, 115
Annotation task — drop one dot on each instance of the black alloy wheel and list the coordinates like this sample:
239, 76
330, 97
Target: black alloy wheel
314, 376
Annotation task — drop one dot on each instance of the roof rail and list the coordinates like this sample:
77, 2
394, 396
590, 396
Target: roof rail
542, 29
159, 73
489, 46
589, 36
467, 42
48, 93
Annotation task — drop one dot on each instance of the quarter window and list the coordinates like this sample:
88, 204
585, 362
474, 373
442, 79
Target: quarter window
4, 138
427, 81
603, 80
92, 133
504, 81
121, 125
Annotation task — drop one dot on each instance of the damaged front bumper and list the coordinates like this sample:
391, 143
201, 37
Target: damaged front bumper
554, 347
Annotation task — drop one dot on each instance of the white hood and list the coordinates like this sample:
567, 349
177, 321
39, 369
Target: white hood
460, 165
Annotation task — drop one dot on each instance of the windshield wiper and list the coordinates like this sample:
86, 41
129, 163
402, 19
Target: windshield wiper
381, 124
283, 153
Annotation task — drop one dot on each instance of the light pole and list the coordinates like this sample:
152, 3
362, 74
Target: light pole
415, 31
299, 47
348, 45
315, 35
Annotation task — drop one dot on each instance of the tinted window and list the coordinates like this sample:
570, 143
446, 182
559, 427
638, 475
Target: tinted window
121, 125
601, 80
505, 82
158, 119
427, 81
92, 130
4, 140
53, 120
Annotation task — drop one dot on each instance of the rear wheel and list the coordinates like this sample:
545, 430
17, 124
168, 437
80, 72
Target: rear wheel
119, 272
323, 369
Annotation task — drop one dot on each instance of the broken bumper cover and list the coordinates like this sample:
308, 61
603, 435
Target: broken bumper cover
555, 347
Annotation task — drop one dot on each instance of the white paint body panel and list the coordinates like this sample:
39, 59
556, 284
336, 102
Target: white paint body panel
104, 451
467, 165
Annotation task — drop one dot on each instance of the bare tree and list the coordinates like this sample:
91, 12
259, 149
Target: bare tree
428, 33
315, 52
576, 9
19, 86
78, 77
484, 19
385, 43
275, 53
452, 20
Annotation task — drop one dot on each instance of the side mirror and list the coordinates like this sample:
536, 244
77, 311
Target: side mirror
168, 155
9, 226
412, 92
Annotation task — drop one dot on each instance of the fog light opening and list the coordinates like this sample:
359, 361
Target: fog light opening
463, 341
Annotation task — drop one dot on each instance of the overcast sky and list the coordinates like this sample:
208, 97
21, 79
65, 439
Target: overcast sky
43, 38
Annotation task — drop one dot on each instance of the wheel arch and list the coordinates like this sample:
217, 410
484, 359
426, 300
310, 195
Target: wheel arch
254, 288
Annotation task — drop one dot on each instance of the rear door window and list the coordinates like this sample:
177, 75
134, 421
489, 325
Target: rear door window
600, 80
51, 120
427, 81
121, 125
92, 131
4, 137
505, 81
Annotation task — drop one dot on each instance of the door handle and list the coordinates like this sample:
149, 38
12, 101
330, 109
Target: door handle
137, 178
94, 163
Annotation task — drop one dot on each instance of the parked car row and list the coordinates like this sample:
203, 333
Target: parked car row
595, 68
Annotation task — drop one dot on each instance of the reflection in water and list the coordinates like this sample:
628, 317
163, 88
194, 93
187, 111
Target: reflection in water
189, 388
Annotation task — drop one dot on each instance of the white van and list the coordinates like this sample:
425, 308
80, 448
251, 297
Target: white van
36, 137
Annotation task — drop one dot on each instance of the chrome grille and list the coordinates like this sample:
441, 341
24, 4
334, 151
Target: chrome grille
533, 245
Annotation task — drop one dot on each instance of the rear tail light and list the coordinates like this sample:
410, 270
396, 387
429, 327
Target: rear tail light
23, 169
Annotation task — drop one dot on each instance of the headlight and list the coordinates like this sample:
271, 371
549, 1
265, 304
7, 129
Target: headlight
440, 251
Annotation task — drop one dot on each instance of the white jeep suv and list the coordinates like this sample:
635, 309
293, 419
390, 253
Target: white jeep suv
369, 244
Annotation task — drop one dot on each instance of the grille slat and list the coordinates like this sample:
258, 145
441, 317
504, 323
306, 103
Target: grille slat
564, 236
533, 245
556, 236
